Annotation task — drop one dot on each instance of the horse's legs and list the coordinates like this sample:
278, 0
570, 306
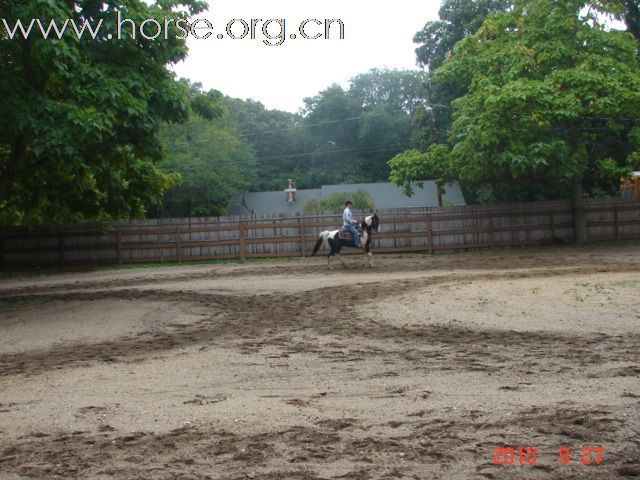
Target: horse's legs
367, 252
338, 247
337, 255
335, 251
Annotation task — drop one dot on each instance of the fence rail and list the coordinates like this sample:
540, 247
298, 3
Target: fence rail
413, 230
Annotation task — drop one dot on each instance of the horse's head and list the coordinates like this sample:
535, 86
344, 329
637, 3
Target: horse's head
372, 222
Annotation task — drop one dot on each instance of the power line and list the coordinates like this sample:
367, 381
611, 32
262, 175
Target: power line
284, 129
248, 161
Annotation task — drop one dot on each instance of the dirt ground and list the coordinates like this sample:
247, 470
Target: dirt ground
422, 367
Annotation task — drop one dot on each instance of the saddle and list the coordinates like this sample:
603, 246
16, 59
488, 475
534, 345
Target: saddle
344, 234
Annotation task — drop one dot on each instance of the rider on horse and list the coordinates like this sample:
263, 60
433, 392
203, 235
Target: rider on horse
350, 223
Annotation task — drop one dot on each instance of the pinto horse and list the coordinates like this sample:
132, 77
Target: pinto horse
336, 242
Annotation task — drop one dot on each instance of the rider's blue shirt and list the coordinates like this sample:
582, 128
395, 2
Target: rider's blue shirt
347, 217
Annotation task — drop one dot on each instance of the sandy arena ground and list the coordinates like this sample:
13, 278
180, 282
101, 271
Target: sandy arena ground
424, 367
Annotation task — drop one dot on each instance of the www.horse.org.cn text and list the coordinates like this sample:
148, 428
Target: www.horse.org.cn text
272, 32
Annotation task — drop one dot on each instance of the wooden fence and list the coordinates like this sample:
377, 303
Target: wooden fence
426, 230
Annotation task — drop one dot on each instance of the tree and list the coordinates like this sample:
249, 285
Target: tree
388, 99
275, 137
627, 11
632, 18
332, 123
213, 161
457, 20
352, 133
412, 165
342, 135
79, 117
394, 90
554, 100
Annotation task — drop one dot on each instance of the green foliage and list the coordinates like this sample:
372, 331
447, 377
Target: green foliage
457, 20
625, 10
552, 105
392, 90
341, 136
79, 118
332, 120
412, 165
276, 138
352, 133
549, 94
633, 159
335, 202
213, 162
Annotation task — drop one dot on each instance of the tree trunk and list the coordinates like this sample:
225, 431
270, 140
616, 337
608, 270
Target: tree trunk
6, 184
15, 159
579, 214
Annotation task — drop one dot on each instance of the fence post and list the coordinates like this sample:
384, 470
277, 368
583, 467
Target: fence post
241, 231
429, 234
1, 251
552, 224
302, 245
492, 231
527, 230
61, 248
616, 221
178, 246
119, 246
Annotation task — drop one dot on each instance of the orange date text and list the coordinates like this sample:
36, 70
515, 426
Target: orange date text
528, 455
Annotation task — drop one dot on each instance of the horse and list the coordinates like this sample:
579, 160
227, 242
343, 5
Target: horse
336, 242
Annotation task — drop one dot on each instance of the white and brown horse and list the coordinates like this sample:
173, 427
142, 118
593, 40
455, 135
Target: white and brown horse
336, 241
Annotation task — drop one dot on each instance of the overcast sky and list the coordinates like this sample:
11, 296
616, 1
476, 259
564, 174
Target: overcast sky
377, 34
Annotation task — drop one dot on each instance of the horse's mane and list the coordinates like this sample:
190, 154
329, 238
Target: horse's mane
374, 223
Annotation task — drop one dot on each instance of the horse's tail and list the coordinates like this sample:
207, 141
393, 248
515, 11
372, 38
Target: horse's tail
322, 238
